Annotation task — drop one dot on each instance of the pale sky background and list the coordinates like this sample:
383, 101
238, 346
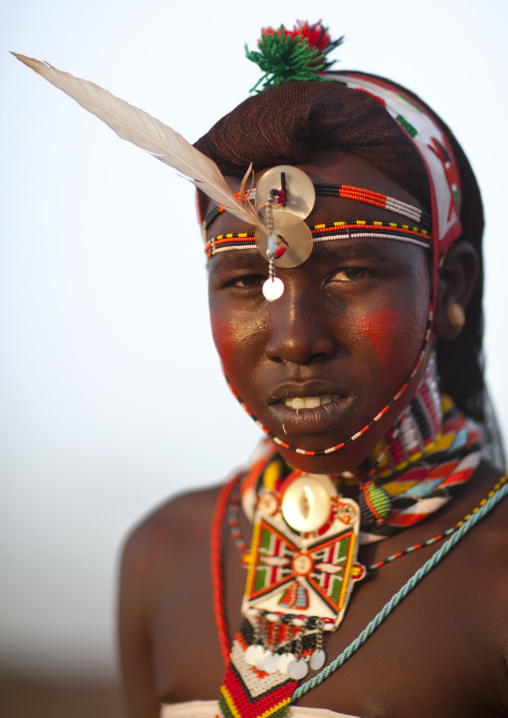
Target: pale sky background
111, 393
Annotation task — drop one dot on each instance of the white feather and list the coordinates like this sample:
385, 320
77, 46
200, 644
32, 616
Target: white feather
146, 132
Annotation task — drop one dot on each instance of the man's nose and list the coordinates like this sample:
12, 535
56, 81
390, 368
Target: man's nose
300, 331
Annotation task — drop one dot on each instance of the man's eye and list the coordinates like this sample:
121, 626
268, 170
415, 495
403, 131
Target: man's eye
349, 274
249, 281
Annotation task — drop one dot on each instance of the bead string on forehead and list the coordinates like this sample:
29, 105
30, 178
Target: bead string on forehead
357, 229
344, 191
285, 196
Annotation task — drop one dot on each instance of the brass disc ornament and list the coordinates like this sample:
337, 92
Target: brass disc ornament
299, 191
294, 241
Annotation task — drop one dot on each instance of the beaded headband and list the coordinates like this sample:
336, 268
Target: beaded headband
285, 196
346, 192
325, 233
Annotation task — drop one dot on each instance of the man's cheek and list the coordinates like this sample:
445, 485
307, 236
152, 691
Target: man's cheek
224, 335
393, 334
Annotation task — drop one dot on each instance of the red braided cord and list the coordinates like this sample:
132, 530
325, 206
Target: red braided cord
216, 566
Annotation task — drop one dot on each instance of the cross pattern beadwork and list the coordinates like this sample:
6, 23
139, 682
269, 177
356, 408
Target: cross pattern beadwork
312, 582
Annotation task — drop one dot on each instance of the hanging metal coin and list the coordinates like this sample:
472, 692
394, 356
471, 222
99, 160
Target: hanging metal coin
294, 241
273, 288
298, 669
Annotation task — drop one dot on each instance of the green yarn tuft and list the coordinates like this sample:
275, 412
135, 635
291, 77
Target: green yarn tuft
292, 56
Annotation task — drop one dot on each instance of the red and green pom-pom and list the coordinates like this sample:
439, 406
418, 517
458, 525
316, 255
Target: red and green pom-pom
293, 55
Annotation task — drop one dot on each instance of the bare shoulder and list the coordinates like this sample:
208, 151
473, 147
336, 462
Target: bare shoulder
171, 531
155, 555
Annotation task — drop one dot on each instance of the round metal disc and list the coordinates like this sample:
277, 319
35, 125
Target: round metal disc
306, 504
273, 289
300, 192
284, 662
298, 669
293, 236
271, 663
317, 659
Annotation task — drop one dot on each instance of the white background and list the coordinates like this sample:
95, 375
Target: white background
111, 393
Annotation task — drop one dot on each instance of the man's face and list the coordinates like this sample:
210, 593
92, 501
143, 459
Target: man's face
318, 364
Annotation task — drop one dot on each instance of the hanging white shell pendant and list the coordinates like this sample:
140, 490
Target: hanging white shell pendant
261, 658
317, 659
252, 654
273, 288
298, 669
284, 662
271, 663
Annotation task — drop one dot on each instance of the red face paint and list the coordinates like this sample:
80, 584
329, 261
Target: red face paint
224, 335
389, 328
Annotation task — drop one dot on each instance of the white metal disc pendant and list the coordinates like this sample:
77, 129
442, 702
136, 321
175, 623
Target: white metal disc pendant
271, 663
294, 241
300, 192
284, 662
317, 659
306, 504
261, 658
298, 669
252, 654
273, 288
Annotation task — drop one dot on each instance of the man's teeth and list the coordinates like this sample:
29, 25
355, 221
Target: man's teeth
309, 402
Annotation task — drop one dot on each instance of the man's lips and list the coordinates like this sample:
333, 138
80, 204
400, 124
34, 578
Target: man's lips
291, 392
309, 402
308, 407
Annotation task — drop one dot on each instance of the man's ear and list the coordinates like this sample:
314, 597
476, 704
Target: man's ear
455, 284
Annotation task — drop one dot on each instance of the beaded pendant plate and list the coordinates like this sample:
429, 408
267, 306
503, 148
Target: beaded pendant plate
302, 562
302, 567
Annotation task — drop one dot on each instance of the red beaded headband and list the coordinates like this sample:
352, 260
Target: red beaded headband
346, 192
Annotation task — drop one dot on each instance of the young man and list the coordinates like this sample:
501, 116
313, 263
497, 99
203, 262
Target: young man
339, 371
345, 299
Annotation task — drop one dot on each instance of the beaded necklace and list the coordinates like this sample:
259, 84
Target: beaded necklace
301, 574
238, 693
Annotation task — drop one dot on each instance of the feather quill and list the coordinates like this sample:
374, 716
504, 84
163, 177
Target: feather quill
146, 132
